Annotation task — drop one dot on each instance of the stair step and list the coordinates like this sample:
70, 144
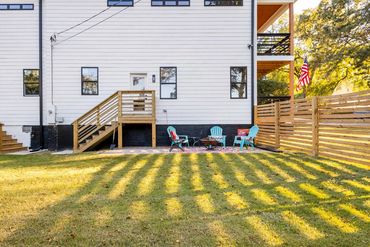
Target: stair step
12, 149
9, 142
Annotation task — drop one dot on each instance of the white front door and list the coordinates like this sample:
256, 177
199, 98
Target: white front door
138, 81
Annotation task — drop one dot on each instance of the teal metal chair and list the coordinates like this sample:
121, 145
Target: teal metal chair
216, 133
183, 139
249, 140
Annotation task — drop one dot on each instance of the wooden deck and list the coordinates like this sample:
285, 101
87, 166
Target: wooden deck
123, 107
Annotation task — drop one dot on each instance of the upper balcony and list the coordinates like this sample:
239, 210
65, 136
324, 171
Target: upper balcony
273, 44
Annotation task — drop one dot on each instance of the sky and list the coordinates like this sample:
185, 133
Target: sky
301, 5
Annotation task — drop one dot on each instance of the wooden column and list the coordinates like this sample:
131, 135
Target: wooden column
120, 127
315, 126
75, 136
291, 64
277, 125
154, 122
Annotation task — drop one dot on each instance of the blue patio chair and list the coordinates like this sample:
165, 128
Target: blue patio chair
249, 140
183, 139
216, 133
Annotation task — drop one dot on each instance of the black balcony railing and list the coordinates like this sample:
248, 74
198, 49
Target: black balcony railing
273, 44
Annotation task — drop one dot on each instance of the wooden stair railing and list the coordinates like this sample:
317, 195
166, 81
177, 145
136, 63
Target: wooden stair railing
100, 122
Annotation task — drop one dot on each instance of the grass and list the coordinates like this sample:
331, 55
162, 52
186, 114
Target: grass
183, 200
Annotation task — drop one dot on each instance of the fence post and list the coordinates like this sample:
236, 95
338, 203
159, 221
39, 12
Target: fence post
75, 136
277, 125
315, 126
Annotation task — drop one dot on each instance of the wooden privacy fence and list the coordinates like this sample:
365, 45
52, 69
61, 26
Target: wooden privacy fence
332, 126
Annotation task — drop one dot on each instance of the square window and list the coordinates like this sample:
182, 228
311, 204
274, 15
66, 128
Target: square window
89, 80
31, 83
168, 81
238, 82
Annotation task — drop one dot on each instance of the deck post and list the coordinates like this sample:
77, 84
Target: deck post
315, 127
291, 63
154, 127
75, 136
120, 127
277, 125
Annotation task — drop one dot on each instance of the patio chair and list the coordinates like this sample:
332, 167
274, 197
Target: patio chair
249, 140
216, 133
177, 140
242, 133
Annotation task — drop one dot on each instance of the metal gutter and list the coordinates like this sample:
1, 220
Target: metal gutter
41, 103
253, 58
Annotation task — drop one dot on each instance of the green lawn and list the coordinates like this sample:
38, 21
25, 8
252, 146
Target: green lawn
183, 200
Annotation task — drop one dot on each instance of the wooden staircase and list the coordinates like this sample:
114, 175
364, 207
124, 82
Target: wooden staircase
123, 107
8, 144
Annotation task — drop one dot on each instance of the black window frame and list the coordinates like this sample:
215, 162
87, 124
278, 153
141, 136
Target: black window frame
164, 83
242, 83
118, 5
164, 1
24, 84
223, 5
97, 81
21, 6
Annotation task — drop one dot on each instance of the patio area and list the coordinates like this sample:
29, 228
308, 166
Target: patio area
196, 199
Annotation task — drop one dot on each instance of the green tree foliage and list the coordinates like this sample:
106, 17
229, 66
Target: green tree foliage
336, 39
335, 36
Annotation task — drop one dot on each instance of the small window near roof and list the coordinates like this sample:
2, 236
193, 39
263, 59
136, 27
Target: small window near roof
120, 3
170, 3
168, 81
223, 2
89, 80
16, 7
31, 83
238, 82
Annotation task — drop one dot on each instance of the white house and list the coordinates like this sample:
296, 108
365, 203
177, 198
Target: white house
59, 59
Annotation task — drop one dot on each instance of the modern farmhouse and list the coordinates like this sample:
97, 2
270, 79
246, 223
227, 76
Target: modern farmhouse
73, 73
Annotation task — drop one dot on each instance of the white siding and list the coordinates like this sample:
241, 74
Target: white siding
18, 51
202, 42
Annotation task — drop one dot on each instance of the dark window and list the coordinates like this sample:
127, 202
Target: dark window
89, 80
170, 2
31, 83
238, 82
223, 2
120, 3
168, 82
16, 7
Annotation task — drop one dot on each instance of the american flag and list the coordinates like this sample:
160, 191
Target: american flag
304, 79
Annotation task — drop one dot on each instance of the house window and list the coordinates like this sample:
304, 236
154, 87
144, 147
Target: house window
31, 82
120, 3
16, 7
170, 2
238, 82
168, 82
223, 2
89, 80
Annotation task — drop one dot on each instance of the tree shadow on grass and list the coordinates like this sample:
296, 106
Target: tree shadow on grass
196, 199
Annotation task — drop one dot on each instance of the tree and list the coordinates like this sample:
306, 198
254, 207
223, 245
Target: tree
335, 36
